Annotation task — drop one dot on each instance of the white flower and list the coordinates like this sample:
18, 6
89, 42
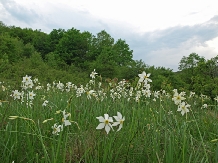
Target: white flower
89, 93
16, 94
156, 94
205, 106
92, 75
64, 119
60, 86
45, 103
105, 123
183, 108
31, 95
144, 77
177, 98
27, 79
56, 129
119, 120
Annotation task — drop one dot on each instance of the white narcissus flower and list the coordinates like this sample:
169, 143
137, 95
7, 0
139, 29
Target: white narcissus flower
177, 98
45, 103
16, 94
56, 129
26, 79
64, 119
105, 123
92, 75
31, 95
205, 106
183, 108
89, 93
119, 120
144, 77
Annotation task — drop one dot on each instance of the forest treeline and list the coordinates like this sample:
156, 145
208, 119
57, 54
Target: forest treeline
71, 55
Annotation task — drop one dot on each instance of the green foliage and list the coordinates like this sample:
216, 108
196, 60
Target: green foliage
73, 50
200, 74
11, 47
72, 47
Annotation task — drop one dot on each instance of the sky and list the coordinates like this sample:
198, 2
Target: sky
160, 32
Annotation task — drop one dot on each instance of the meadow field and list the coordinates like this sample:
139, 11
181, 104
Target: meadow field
112, 121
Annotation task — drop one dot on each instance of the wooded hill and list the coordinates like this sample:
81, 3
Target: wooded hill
71, 55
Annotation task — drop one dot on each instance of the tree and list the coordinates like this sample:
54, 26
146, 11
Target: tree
72, 47
123, 55
187, 66
190, 62
105, 63
11, 47
206, 77
54, 37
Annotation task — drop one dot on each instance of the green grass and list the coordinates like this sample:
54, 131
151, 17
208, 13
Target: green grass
153, 131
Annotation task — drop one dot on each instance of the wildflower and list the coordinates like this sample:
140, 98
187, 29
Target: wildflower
35, 80
105, 123
156, 94
89, 93
27, 82
170, 112
16, 94
144, 77
119, 120
45, 103
48, 86
60, 86
64, 119
26, 79
183, 108
92, 75
177, 98
205, 106
191, 94
31, 95
56, 129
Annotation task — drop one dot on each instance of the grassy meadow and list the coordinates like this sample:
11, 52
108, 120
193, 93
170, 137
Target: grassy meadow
105, 122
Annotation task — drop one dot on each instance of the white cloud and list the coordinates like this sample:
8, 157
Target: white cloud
159, 32
170, 57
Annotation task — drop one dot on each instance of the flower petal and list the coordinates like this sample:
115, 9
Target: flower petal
117, 118
101, 119
107, 128
119, 115
121, 125
110, 119
100, 126
106, 116
115, 123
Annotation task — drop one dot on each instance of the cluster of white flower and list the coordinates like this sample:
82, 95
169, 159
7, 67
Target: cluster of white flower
178, 100
143, 86
119, 90
65, 122
26, 95
107, 122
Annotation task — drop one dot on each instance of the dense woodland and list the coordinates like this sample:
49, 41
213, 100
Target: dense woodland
70, 55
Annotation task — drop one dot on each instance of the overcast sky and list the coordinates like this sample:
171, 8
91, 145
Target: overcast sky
160, 32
